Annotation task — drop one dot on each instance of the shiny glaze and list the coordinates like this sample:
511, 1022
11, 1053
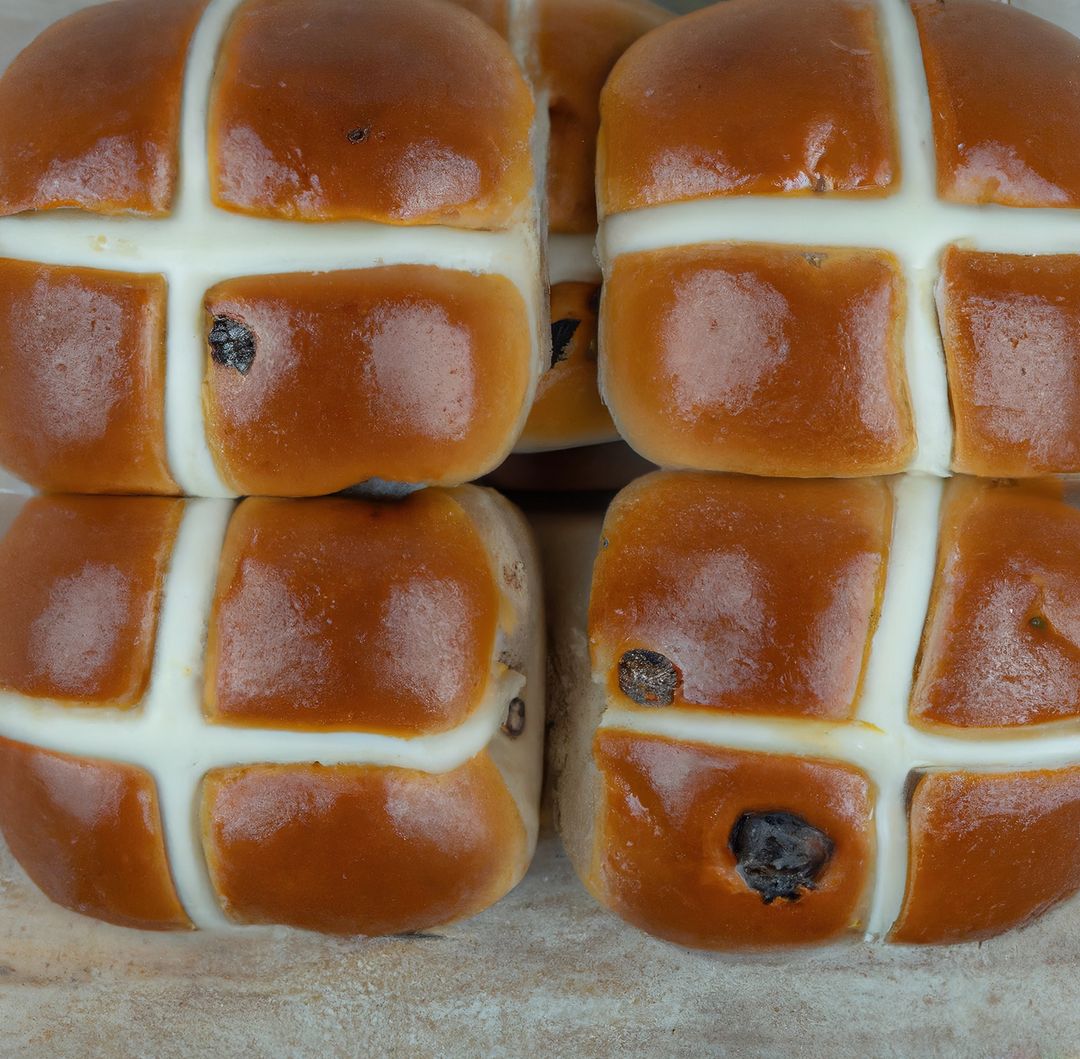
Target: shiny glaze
89, 835
763, 595
360, 850
567, 405
82, 379
444, 112
580, 40
351, 614
1008, 556
90, 111
408, 373
663, 861
1011, 327
80, 589
1005, 95
760, 359
748, 98
989, 852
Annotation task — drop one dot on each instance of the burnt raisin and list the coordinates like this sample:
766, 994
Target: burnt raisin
1037, 622
562, 334
648, 677
358, 135
232, 344
779, 854
514, 724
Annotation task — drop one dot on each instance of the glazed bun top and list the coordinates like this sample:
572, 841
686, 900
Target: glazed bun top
748, 97
704, 578
344, 614
580, 41
352, 615
90, 111
1005, 95
793, 97
1001, 646
397, 111
80, 591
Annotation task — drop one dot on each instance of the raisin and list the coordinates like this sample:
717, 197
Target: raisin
648, 677
514, 724
232, 344
779, 854
562, 334
358, 135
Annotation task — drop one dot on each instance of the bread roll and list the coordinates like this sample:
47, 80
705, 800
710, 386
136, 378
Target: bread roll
579, 42
785, 187
324, 714
170, 332
797, 712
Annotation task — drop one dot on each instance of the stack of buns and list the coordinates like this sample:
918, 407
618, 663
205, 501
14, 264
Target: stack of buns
284, 249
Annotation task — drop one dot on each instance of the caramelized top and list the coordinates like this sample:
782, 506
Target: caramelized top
90, 111
404, 113
80, 590
665, 860
89, 834
758, 358
580, 40
1005, 96
352, 614
82, 379
1002, 641
763, 595
989, 852
360, 850
1011, 325
749, 98
407, 372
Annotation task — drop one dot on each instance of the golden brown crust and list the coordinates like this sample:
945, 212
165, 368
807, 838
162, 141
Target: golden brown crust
383, 111
759, 359
349, 614
90, 111
407, 373
82, 379
664, 859
746, 98
567, 409
580, 41
80, 591
989, 852
360, 850
763, 596
1002, 641
1011, 327
1005, 97
89, 834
